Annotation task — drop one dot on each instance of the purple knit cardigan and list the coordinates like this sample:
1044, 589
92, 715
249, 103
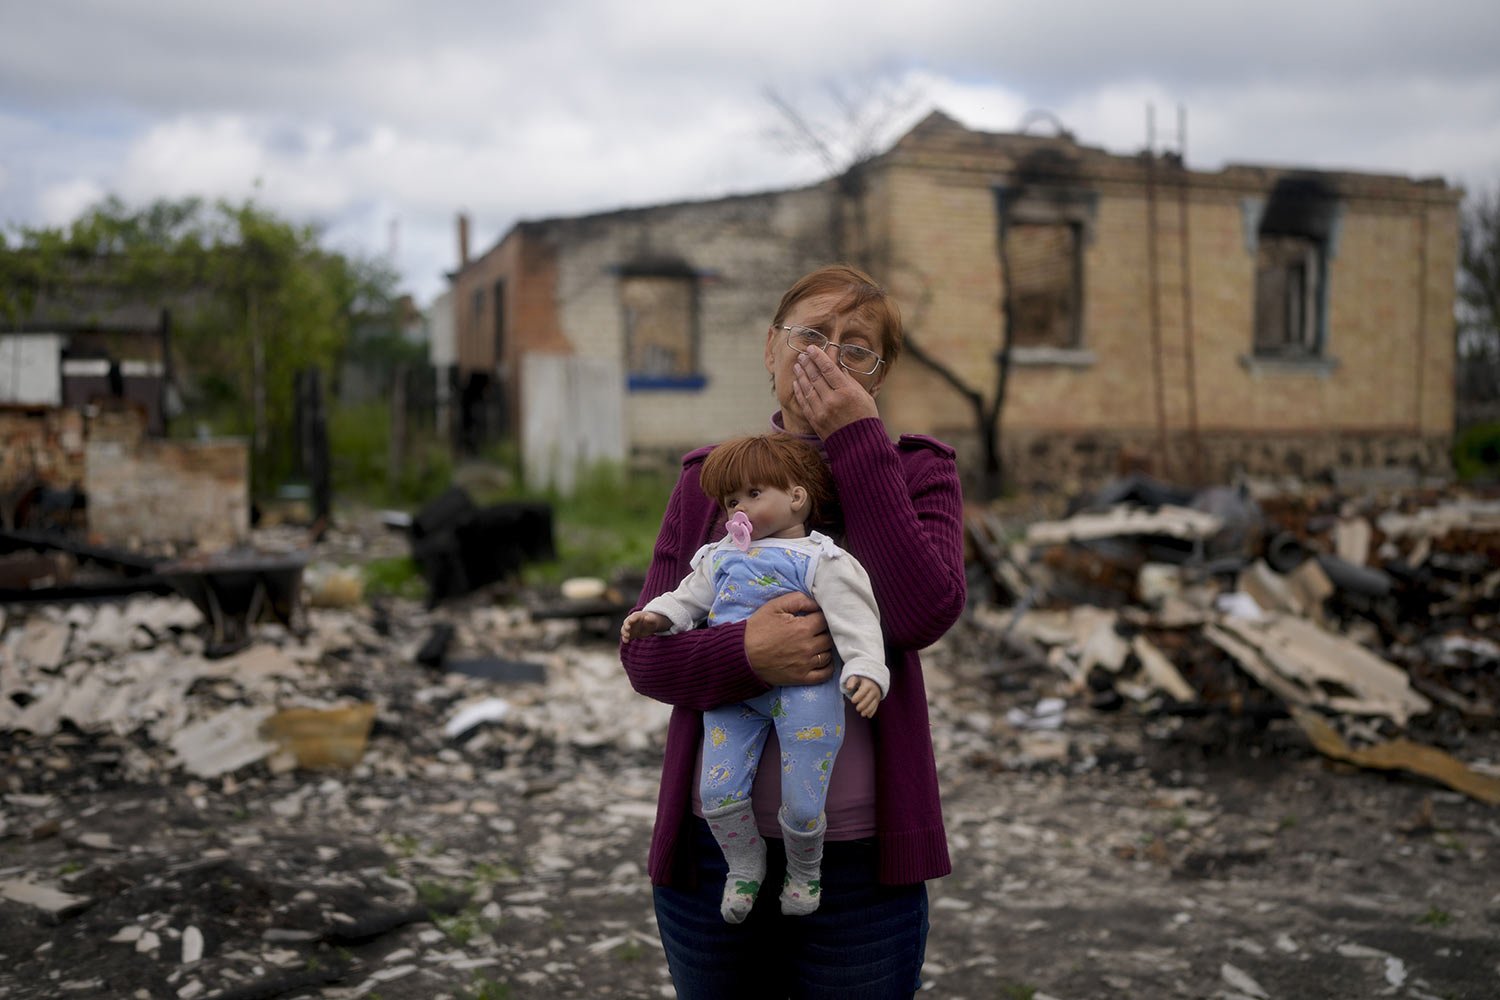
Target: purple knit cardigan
903, 520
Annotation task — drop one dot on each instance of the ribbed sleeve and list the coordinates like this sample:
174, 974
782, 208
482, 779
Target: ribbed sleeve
704, 668
903, 520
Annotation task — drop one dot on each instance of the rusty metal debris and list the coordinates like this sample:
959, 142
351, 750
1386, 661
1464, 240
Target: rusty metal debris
237, 589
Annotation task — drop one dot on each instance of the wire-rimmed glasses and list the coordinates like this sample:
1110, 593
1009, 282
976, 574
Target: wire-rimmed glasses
855, 359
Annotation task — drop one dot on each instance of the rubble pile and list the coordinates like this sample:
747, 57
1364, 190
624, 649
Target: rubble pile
304, 785
376, 798
1360, 618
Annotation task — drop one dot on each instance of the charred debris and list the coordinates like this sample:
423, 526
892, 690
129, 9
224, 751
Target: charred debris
1366, 613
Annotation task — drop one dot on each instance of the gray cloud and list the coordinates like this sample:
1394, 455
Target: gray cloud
355, 114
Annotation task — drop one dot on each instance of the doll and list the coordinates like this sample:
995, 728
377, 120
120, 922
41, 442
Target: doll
771, 487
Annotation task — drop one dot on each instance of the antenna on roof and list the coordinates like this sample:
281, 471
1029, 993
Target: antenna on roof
1169, 145
1041, 115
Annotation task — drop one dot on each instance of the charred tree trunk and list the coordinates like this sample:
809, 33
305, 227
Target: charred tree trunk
986, 414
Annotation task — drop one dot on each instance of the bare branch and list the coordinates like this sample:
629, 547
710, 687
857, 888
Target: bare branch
942, 371
805, 134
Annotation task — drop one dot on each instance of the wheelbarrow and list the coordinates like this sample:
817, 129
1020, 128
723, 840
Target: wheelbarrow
236, 589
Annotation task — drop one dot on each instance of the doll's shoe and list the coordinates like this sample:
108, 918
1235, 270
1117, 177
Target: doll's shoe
733, 827
739, 899
798, 899
804, 866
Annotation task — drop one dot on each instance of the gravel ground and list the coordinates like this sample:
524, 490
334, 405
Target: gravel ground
1117, 856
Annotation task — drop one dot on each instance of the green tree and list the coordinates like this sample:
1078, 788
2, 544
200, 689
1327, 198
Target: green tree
254, 298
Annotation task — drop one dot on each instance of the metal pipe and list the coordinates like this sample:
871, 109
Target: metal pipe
1153, 276
1187, 302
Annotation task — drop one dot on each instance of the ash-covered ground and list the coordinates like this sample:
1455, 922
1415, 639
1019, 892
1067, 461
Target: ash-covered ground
1119, 854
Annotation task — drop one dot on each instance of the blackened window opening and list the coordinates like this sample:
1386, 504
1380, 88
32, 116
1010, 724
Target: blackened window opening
1294, 244
660, 312
1046, 283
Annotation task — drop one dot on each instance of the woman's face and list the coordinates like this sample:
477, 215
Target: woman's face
818, 312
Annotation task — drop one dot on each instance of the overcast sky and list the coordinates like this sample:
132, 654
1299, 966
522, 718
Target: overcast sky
380, 120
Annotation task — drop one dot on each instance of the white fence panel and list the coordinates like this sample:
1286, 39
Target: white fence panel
572, 415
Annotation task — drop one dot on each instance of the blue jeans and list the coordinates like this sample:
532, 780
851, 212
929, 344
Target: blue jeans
866, 941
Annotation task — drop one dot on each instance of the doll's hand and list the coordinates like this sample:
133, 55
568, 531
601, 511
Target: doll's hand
643, 623
865, 694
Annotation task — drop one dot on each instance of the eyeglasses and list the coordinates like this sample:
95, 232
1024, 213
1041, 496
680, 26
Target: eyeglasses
856, 359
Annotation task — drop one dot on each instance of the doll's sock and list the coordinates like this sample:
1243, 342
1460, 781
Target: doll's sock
804, 867
744, 849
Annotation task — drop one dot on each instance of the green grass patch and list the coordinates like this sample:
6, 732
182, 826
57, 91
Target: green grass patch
485, 988
487, 874
431, 893
1476, 454
359, 446
607, 525
405, 844
398, 576
460, 928
1435, 917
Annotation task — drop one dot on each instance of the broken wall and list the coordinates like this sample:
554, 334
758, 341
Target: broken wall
1188, 396
560, 283
1069, 461
43, 445
1377, 390
504, 307
144, 491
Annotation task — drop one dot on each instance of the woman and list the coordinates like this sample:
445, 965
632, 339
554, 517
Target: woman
828, 350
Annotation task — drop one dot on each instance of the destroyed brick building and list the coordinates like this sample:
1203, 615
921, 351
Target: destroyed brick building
1196, 323
86, 400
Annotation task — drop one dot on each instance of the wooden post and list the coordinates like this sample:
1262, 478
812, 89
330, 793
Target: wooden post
396, 460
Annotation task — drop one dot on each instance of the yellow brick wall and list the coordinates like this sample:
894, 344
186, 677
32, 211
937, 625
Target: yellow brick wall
1390, 358
1134, 386
1437, 398
943, 270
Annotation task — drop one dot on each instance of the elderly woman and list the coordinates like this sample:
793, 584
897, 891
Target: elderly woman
829, 348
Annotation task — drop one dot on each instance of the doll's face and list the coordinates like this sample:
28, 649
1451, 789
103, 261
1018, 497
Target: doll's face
773, 512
